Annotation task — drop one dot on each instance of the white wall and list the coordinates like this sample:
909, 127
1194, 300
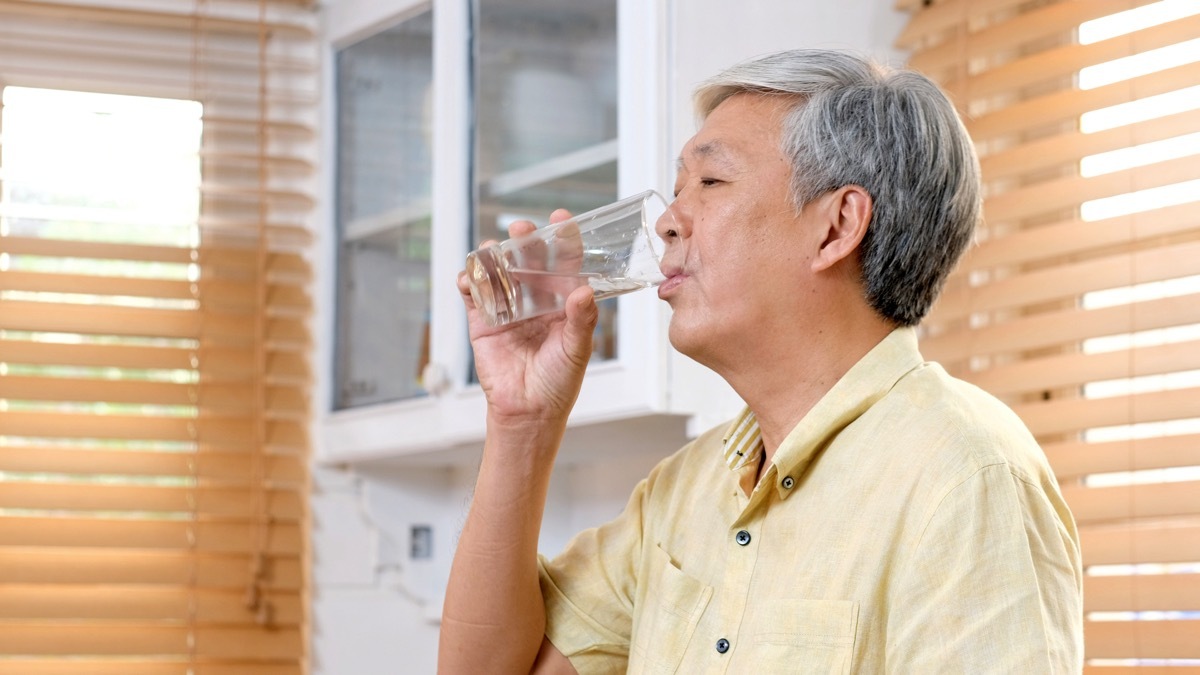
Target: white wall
713, 34
374, 609
370, 605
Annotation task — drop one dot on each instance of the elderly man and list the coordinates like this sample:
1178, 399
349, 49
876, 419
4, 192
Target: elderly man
866, 512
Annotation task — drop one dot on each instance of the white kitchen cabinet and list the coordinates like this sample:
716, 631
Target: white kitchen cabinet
532, 105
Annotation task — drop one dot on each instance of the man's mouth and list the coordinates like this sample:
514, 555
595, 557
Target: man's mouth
675, 278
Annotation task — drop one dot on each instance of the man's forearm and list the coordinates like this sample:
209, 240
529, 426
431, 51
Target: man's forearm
494, 617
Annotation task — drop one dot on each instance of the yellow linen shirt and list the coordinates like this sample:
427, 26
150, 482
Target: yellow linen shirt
908, 524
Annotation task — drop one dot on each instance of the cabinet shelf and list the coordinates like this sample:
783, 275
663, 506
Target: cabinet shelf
402, 216
558, 167
617, 415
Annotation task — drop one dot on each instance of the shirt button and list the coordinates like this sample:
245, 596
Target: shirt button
788, 482
722, 646
742, 538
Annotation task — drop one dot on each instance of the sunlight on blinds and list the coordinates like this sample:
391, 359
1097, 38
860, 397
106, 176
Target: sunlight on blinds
155, 216
1133, 202
1132, 20
1080, 304
82, 166
1141, 110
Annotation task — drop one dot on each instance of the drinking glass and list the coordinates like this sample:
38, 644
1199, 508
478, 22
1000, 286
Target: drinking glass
614, 249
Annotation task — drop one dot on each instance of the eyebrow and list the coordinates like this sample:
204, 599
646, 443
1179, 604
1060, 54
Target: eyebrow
714, 150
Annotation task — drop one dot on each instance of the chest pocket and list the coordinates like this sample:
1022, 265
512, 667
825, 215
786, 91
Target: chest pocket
671, 603
809, 636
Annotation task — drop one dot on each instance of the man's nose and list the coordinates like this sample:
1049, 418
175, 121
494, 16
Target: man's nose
673, 223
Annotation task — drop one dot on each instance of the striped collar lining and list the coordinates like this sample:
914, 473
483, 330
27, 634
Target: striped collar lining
743, 441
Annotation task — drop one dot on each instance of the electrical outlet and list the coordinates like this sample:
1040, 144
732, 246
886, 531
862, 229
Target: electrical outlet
420, 542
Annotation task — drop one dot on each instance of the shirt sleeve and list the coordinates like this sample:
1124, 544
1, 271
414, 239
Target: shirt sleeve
589, 591
994, 584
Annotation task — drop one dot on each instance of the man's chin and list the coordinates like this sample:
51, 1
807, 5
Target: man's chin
691, 341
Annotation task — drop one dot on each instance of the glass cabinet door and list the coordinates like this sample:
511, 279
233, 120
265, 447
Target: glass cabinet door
545, 106
383, 214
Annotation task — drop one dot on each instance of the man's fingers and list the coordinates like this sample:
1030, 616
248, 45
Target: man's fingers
582, 315
560, 215
520, 228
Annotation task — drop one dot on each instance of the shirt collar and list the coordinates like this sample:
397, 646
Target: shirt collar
743, 440
860, 388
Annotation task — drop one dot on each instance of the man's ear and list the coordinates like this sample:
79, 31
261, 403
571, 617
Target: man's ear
845, 215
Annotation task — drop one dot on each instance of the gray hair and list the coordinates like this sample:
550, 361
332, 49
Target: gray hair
893, 133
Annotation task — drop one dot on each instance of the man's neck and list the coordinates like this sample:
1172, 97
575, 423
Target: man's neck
782, 387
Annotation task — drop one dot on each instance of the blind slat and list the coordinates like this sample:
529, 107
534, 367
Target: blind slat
214, 467
1036, 375
160, 666
215, 364
121, 603
64, 248
283, 265
1003, 37
11, 280
1064, 328
23, 315
205, 397
1071, 459
1099, 504
1072, 146
1065, 61
1141, 669
946, 14
1074, 237
1067, 105
1069, 192
124, 427
1053, 417
217, 432
107, 638
99, 355
1178, 639
1135, 544
280, 162
205, 501
1141, 592
226, 294
1067, 280
130, 568
179, 536
30, 56
184, 21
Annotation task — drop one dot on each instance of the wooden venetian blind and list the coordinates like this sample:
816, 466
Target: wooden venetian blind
154, 367
1080, 305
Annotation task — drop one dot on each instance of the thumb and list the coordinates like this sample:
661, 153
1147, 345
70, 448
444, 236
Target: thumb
559, 215
582, 315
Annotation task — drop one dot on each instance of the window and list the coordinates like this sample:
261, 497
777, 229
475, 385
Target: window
1080, 306
153, 339
384, 100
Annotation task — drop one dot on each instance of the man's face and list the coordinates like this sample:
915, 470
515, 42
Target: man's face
740, 255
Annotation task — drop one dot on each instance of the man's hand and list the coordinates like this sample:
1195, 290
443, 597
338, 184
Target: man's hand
531, 371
